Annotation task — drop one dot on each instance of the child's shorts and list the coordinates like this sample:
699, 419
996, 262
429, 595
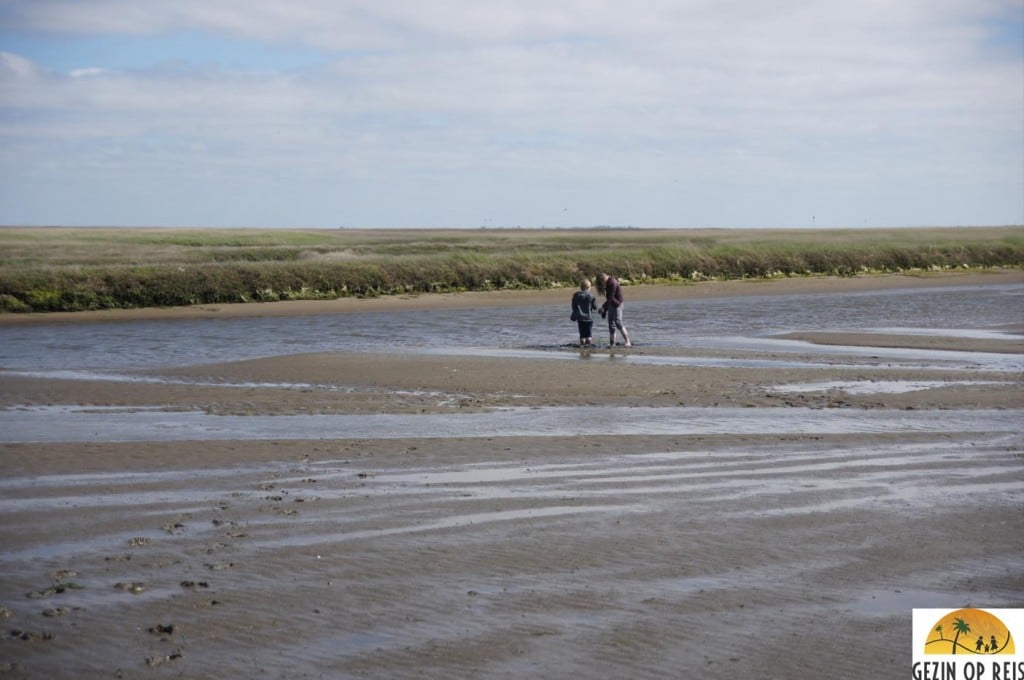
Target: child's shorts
586, 328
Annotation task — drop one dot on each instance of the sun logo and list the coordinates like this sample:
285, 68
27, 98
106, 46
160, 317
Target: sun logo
969, 631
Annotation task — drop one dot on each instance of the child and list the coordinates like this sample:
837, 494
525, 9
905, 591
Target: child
583, 304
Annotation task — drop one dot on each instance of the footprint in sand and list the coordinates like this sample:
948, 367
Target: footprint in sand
164, 658
134, 587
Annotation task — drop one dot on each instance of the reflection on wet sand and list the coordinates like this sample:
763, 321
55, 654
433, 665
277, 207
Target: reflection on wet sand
375, 543
91, 424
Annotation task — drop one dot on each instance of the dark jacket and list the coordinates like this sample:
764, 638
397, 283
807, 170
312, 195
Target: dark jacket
583, 304
612, 291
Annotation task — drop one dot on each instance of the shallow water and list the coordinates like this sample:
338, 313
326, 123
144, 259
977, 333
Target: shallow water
90, 424
714, 323
772, 353
703, 328
876, 386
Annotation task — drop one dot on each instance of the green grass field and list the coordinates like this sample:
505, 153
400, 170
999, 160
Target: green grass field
73, 269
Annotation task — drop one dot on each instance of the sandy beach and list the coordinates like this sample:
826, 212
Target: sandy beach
711, 554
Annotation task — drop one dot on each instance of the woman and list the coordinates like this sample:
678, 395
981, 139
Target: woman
612, 307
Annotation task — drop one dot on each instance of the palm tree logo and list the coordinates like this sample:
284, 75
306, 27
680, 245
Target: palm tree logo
960, 626
993, 637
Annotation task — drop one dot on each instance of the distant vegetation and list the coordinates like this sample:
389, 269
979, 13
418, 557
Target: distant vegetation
62, 269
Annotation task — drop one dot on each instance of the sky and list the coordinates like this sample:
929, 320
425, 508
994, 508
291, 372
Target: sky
494, 113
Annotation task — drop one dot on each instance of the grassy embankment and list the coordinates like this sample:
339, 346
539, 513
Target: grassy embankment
56, 269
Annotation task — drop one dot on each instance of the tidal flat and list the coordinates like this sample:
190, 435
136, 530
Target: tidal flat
443, 486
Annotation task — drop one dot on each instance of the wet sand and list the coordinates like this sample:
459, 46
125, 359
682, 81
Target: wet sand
643, 556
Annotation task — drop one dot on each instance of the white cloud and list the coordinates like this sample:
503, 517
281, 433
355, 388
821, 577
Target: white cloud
86, 72
13, 66
735, 96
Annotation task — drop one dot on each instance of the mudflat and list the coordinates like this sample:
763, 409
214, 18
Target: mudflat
716, 550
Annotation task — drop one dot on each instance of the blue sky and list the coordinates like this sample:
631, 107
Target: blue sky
673, 113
